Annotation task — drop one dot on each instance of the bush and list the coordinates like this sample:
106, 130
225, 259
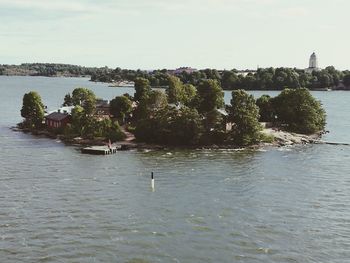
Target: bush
171, 126
299, 111
265, 108
245, 115
115, 133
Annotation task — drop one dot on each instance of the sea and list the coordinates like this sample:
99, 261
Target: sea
283, 205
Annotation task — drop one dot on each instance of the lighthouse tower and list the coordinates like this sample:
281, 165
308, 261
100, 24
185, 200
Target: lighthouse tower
313, 63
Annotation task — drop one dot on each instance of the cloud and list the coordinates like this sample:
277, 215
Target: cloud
63, 5
294, 12
82, 6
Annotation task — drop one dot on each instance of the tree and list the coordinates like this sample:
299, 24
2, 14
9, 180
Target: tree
78, 119
189, 93
154, 101
174, 90
115, 133
32, 109
142, 88
171, 126
79, 95
245, 115
67, 100
265, 108
299, 111
229, 80
121, 106
346, 80
85, 98
186, 127
210, 96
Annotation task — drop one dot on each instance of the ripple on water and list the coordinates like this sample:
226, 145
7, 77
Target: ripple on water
289, 204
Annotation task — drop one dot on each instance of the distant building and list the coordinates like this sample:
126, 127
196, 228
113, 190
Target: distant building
313, 64
178, 71
57, 120
103, 108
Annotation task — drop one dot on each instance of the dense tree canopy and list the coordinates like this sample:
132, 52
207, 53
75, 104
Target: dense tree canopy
32, 109
142, 88
49, 70
85, 98
121, 106
347, 80
261, 79
171, 126
266, 111
245, 115
210, 96
300, 111
175, 90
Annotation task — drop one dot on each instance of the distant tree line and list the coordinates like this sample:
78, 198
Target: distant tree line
262, 79
50, 70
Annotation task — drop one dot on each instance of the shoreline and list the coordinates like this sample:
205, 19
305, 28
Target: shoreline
281, 139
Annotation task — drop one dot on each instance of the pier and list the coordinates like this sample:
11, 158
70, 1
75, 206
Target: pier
99, 150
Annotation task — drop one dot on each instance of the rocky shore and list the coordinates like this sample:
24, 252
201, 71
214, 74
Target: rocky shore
284, 138
280, 138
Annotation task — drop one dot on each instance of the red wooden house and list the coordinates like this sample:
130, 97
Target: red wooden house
57, 120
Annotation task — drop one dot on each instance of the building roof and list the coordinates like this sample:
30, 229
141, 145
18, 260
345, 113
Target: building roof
57, 116
222, 112
64, 109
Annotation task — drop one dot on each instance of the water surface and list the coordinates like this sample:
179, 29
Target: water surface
273, 205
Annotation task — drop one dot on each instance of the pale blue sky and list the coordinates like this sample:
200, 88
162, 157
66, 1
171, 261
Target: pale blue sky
150, 34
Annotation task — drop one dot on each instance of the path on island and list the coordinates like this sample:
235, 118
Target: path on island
129, 136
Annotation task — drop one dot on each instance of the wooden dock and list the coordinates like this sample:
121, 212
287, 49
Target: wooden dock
99, 150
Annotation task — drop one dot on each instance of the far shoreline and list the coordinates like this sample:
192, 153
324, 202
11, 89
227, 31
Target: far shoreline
111, 84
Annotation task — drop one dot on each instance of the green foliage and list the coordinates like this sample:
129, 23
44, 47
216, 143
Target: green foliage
262, 79
91, 127
171, 126
189, 93
78, 119
67, 100
229, 80
347, 80
265, 108
210, 96
115, 133
245, 115
102, 128
213, 120
85, 98
142, 88
32, 110
155, 100
300, 111
174, 90
267, 138
121, 106
48, 70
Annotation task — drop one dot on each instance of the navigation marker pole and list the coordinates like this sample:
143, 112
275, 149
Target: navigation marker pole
152, 181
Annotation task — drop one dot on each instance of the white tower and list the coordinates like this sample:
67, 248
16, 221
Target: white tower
313, 64
313, 61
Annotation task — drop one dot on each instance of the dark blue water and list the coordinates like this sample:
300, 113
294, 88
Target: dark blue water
273, 205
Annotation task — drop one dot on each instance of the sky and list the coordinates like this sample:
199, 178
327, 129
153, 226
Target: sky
152, 34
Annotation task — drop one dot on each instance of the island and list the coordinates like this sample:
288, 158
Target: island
183, 115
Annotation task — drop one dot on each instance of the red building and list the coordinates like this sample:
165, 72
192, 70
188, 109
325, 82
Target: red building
57, 120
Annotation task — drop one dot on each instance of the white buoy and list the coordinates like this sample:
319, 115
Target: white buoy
152, 181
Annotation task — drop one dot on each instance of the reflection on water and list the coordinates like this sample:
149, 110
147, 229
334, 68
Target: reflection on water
276, 205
